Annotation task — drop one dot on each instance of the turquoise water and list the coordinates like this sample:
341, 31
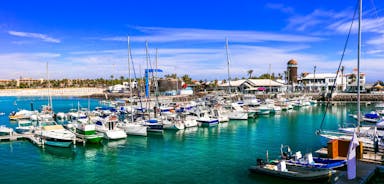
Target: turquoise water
199, 155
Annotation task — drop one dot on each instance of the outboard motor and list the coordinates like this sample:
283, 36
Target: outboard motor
259, 161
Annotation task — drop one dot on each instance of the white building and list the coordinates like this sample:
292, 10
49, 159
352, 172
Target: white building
322, 82
234, 86
253, 86
352, 82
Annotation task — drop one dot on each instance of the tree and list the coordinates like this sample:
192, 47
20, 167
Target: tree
279, 76
187, 79
250, 73
265, 76
173, 76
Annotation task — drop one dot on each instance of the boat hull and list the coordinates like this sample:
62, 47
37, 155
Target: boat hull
209, 123
295, 173
56, 143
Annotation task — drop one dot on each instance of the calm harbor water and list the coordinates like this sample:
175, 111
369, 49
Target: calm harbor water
199, 155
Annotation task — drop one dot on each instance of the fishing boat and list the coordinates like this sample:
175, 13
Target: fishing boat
108, 127
293, 172
87, 130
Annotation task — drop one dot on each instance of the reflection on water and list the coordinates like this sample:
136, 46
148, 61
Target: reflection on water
52, 153
191, 130
137, 142
223, 125
114, 144
175, 156
90, 150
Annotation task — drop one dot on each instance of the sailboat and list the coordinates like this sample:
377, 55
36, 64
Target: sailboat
367, 135
49, 131
129, 125
236, 112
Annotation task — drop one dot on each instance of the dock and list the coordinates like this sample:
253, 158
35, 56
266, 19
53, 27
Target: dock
33, 138
364, 173
366, 166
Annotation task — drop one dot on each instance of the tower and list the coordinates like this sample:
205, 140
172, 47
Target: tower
292, 71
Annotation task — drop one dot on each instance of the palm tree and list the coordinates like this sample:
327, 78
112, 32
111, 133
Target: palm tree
250, 73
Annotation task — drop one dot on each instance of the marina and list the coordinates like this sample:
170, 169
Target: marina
231, 147
164, 92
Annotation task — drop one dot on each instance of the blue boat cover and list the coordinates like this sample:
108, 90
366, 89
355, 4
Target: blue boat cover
371, 116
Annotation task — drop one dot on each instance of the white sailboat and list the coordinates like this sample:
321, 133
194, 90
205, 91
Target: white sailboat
129, 125
367, 135
236, 112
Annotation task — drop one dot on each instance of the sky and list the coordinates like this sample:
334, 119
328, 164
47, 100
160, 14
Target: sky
88, 39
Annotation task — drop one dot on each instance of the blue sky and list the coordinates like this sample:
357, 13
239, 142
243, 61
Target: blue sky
88, 39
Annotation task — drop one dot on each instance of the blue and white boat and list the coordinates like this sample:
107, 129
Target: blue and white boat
208, 122
153, 125
5, 130
309, 161
24, 126
56, 135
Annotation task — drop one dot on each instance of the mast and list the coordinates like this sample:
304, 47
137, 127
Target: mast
228, 62
129, 79
270, 78
146, 75
156, 81
49, 88
358, 63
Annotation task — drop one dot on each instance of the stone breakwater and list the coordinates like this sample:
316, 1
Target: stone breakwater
353, 97
52, 92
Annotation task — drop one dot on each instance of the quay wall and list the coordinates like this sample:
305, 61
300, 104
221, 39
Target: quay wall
353, 97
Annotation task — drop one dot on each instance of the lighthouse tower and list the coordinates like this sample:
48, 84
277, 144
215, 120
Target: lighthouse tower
292, 71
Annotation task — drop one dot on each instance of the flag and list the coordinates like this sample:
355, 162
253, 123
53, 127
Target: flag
351, 157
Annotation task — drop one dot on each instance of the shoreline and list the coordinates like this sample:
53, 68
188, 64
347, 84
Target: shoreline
79, 92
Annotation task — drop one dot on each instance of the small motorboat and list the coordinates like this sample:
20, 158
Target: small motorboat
308, 160
5, 130
294, 172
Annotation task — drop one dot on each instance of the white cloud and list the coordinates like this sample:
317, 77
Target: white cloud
43, 37
161, 34
15, 65
199, 63
280, 7
319, 19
